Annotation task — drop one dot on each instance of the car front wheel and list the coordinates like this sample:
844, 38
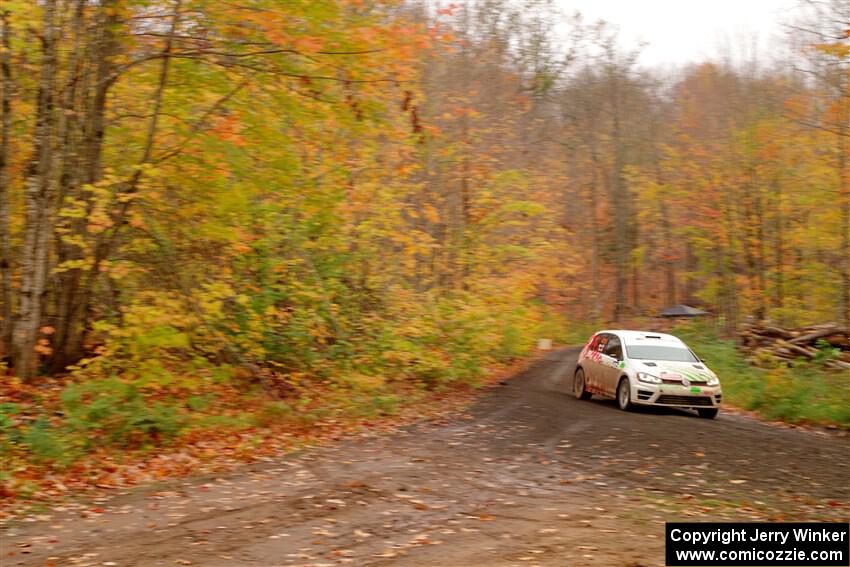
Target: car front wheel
624, 395
707, 413
580, 386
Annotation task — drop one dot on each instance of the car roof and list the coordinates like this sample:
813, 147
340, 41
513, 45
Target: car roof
644, 337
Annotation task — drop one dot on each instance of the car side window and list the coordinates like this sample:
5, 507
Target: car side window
602, 343
614, 348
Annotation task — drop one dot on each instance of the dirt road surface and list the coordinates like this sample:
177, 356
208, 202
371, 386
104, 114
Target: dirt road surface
530, 476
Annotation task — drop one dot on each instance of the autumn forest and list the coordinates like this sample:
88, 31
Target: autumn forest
315, 200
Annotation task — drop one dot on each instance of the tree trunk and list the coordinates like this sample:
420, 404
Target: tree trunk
666, 230
5, 133
669, 265
108, 239
40, 191
728, 274
761, 265
82, 166
779, 256
619, 202
594, 236
844, 200
465, 198
690, 268
635, 270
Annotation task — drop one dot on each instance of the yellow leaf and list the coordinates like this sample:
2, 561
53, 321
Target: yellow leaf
431, 213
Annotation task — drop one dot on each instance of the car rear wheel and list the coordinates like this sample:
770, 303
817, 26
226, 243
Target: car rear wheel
624, 395
580, 386
707, 413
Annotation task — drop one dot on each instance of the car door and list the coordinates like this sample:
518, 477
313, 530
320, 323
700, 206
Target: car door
592, 363
609, 365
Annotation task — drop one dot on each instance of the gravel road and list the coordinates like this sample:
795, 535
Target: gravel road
529, 476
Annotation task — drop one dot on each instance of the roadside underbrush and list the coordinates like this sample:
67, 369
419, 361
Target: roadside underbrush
797, 392
48, 459
153, 404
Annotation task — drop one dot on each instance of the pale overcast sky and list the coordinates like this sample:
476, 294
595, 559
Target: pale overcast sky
681, 31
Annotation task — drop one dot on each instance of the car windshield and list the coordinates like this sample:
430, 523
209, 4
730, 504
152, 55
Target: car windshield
658, 352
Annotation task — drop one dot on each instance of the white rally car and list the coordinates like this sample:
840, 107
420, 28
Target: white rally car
646, 368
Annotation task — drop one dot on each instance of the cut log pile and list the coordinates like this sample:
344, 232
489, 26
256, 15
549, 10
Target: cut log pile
804, 342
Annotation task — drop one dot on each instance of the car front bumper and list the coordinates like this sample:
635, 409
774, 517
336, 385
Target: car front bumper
677, 395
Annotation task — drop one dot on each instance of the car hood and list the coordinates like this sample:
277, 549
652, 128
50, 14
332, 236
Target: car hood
687, 370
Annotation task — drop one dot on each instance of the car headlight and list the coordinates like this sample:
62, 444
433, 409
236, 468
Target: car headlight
648, 378
713, 381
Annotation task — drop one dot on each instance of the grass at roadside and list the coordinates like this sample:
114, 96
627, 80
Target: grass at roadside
803, 392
